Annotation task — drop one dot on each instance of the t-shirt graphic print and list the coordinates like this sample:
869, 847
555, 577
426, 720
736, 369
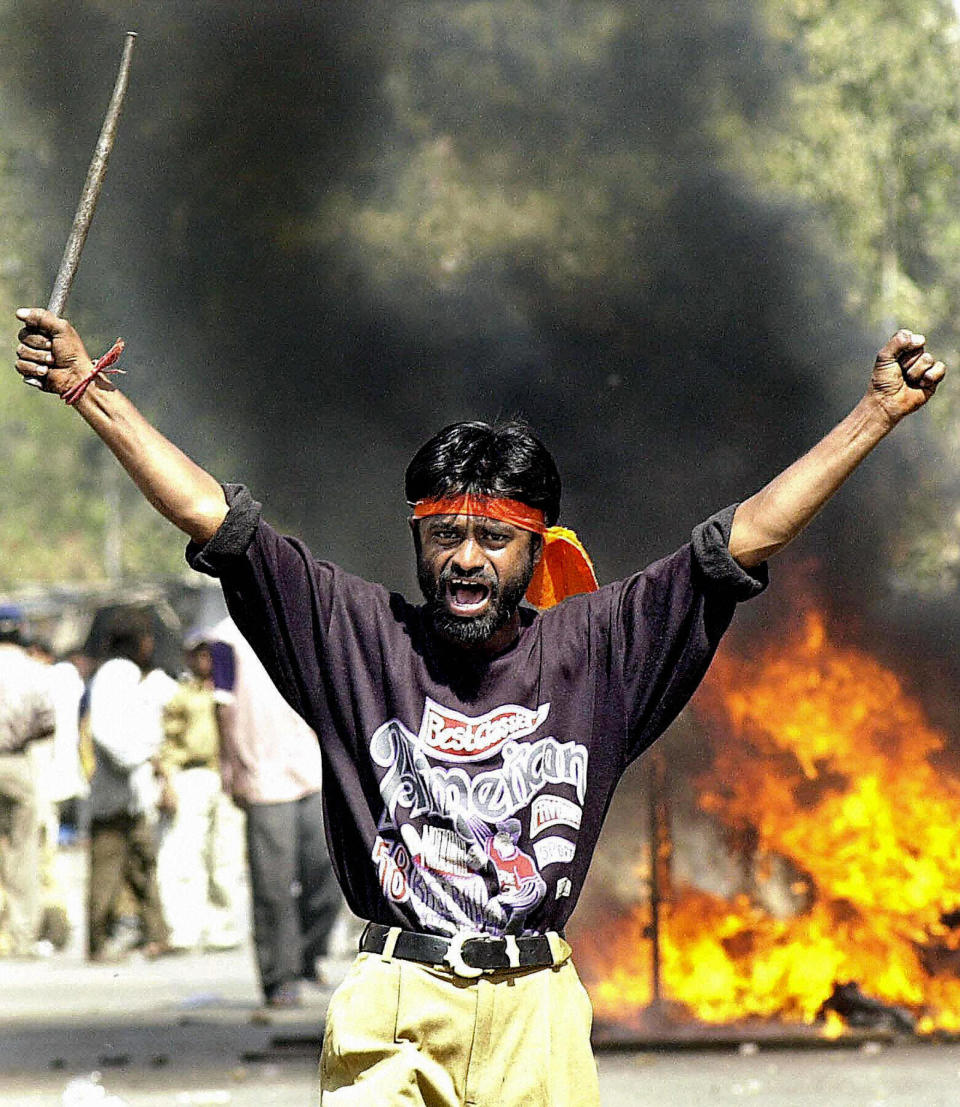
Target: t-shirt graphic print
464, 802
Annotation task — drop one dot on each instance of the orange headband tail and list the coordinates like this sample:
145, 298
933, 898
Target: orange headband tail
564, 568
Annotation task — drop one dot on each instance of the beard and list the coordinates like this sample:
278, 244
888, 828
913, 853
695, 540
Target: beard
472, 630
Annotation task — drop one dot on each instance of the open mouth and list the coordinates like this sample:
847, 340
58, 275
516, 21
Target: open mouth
466, 597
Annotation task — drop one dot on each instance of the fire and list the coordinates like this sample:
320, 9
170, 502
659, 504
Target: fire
827, 769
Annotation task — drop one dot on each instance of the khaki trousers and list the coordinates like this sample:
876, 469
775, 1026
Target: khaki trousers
19, 855
123, 856
402, 1033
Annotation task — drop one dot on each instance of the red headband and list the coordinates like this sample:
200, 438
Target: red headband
486, 507
564, 569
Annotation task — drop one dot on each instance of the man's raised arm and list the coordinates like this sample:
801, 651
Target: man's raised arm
904, 377
52, 352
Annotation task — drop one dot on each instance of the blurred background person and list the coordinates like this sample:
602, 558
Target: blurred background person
126, 700
60, 785
270, 764
200, 859
26, 716
70, 787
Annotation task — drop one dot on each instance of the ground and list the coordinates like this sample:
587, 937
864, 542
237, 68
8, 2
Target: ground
189, 1030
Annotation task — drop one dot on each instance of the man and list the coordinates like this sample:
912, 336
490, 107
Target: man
197, 865
59, 779
26, 717
126, 705
447, 719
271, 766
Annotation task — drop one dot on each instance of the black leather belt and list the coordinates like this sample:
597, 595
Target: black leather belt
466, 954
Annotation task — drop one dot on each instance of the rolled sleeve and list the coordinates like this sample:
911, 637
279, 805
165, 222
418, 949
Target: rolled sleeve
234, 536
711, 550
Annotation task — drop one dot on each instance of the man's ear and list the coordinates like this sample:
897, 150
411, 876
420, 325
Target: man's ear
415, 531
536, 550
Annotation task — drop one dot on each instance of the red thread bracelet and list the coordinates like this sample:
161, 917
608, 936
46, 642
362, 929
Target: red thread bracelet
73, 394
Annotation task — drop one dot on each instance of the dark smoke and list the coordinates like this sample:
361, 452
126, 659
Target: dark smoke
679, 376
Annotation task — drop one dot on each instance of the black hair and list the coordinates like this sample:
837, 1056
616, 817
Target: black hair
128, 631
504, 459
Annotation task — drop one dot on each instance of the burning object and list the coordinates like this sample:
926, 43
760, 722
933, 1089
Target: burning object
835, 796
863, 1012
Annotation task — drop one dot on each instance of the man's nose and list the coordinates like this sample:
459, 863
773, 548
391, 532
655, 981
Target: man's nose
468, 557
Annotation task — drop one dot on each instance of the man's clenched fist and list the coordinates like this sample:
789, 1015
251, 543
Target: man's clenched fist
50, 351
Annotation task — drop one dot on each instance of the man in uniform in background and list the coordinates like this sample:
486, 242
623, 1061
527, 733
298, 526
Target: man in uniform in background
198, 867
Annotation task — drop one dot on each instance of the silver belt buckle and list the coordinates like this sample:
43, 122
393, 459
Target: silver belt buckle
454, 955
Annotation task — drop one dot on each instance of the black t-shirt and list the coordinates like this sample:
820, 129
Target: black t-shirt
469, 796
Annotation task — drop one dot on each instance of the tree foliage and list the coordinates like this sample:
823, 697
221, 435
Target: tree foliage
868, 137
545, 151
58, 493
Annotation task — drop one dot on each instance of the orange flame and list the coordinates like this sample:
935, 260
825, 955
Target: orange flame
821, 757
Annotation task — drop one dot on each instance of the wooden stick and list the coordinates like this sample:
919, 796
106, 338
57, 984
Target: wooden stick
92, 185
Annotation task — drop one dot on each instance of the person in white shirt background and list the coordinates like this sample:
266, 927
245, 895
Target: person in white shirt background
125, 712
60, 780
270, 766
26, 717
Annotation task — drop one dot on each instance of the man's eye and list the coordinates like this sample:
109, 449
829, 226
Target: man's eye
496, 537
446, 536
